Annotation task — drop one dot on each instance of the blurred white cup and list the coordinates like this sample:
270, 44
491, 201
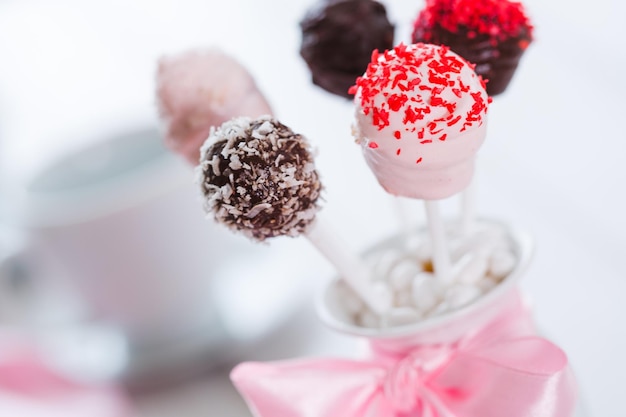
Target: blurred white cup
118, 221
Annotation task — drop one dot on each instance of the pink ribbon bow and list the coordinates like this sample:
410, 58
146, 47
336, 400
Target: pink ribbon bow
501, 371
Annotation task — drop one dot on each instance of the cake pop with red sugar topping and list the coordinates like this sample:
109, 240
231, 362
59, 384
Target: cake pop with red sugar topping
493, 34
420, 118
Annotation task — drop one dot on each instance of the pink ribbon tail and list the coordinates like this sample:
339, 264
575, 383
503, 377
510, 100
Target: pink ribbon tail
307, 388
524, 377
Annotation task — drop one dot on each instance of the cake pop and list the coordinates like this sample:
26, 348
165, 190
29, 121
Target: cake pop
258, 177
420, 118
338, 37
493, 34
200, 89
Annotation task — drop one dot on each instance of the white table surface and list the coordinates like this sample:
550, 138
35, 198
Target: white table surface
552, 162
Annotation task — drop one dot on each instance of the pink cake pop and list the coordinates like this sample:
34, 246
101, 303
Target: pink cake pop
200, 89
420, 118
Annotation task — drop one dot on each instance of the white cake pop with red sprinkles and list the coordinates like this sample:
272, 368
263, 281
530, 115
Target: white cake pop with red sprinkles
420, 118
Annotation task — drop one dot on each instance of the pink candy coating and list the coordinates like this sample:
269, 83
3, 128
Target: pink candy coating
200, 89
420, 118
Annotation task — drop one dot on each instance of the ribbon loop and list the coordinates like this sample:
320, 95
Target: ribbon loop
406, 384
402, 386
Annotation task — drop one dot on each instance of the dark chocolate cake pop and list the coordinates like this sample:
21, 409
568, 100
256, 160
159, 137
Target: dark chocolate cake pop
258, 177
338, 37
493, 34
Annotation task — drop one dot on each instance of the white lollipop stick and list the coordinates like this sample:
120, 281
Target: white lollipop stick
441, 256
350, 267
468, 209
403, 215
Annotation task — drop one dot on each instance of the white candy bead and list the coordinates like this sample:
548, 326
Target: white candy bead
481, 242
412, 242
486, 284
402, 273
424, 252
426, 291
470, 269
403, 299
383, 292
439, 309
460, 295
385, 262
401, 316
368, 319
502, 263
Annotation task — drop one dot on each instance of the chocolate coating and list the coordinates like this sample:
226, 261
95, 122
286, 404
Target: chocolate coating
338, 37
496, 60
258, 177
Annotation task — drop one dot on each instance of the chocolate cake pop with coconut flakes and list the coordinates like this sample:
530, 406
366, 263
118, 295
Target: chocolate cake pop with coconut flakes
258, 177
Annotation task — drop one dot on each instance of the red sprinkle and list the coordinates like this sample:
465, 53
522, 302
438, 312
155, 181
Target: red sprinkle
410, 116
397, 134
433, 78
453, 121
398, 151
399, 77
396, 101
381, 117
373, 145
418, 160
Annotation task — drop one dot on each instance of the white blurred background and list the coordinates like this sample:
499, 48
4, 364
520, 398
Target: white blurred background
108, 263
